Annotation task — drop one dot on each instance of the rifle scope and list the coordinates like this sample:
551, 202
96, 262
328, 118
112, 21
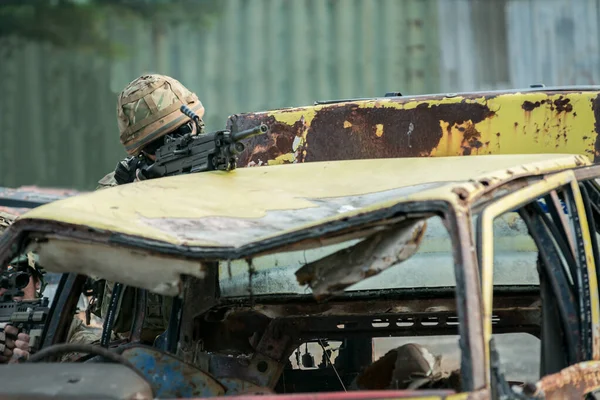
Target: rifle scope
14, 280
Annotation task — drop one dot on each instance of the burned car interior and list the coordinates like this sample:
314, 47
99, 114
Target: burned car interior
258, 327
375, 301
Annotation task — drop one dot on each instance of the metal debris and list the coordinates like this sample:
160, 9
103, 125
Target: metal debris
369, 257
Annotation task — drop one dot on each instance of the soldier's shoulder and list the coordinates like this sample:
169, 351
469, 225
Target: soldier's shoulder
107, 181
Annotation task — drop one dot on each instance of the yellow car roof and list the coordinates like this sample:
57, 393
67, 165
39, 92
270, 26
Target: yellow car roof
248, 205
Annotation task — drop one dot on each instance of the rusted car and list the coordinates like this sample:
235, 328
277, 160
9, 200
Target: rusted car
17, 201
517, 121
266, 266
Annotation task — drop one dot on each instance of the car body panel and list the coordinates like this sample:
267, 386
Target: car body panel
280, 206
508, 203
541, 120
147, 234
208, 210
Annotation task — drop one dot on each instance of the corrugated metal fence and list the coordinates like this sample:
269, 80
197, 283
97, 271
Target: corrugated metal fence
501, 44
58, 108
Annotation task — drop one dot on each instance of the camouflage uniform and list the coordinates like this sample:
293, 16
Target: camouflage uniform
147, 109
108, 181
78, 331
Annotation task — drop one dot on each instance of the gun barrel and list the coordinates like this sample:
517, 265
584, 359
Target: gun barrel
257, 130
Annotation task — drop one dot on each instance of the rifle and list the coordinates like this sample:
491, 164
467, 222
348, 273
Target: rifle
198, 153
27, 316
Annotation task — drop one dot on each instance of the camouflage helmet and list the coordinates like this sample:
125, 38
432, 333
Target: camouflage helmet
149, 108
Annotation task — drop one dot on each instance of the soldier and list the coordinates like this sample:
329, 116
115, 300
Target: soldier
148, 112
15, 345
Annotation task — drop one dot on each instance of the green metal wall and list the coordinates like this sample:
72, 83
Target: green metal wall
58, 108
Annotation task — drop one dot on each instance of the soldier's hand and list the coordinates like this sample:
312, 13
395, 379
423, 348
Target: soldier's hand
125, 172
14, 345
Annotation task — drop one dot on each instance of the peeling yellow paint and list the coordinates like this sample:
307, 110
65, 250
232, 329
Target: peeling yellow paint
510, 202
290, 116
379, 130
511, 127
250, 194
283, 159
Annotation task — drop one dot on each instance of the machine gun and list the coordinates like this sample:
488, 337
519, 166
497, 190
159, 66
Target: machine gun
198, 153
27, 316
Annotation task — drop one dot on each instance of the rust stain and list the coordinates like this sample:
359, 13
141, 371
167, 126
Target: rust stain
563, 105
570, 383
596, 110
417, 132
471, 139
529, 106
462, 193
429, 126
274, 144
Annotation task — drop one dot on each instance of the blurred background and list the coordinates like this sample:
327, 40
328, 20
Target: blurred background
63, 62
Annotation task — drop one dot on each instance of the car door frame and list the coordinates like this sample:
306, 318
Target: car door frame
516, 200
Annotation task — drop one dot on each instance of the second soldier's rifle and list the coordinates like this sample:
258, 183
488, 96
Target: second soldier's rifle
28, 316
198, 153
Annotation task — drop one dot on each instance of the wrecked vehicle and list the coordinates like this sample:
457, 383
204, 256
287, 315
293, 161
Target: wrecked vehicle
341, 256
518, 121
17, 201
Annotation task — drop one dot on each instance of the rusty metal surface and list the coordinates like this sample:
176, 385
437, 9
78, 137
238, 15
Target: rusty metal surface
470, 302
571, 383
141, 299
199, 296
550, 121
411, 301
171, 378
236, 386
227, 326
257, 370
